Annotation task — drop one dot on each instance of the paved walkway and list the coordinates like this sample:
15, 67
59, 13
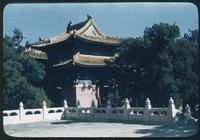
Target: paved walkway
96, 129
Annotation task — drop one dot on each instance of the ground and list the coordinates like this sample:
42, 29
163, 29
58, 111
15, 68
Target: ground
69, 128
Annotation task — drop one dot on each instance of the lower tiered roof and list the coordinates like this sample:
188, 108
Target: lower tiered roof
86, 60
36, 53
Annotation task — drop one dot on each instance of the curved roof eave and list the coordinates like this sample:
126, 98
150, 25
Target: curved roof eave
73, 32
97, 40
53, 40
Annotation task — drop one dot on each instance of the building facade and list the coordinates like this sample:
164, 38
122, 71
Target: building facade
76, 63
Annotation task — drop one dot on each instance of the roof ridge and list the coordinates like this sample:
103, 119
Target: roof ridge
76, 26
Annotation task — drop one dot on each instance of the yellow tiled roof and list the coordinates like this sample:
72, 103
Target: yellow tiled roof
77, 30
36, 53
86, 60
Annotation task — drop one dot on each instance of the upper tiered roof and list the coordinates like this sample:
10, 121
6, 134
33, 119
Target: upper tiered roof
86, 31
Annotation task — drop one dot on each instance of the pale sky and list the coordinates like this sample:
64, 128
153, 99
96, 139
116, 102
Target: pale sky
114, 19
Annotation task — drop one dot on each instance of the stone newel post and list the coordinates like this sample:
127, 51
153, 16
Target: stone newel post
64, 115
108, 103
126, 111
171, 110
146, 110
92, 108
65, 104
44, 110
108, 108
126, 105
93, 105
148, 104
21, 111
78, 105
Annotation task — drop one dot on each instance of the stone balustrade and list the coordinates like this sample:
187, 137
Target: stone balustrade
32, 115
145, 114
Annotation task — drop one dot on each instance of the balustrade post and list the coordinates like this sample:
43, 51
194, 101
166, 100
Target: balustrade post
64, 115
44, 108
21, 111
108, 109
147, 110
126, 111
65, 104
171, 110
92, 108
78, 106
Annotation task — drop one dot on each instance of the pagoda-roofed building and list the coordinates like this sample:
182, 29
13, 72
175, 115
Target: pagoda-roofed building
75, 63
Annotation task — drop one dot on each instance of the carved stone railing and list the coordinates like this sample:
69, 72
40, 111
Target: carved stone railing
145, 114
32, 115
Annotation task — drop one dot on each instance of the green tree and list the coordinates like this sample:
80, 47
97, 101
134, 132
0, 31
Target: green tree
130, 70
113, 94
186, 70
158, 41
22, 76
158, 65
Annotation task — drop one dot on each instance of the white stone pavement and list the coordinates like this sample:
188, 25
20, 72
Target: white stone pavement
69, 128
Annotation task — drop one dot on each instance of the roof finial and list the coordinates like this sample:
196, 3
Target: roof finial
69, 25
89, 16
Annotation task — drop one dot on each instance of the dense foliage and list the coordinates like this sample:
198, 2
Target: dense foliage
21, 76
158, 65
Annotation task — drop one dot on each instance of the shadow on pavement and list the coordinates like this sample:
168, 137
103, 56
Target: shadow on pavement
173, 130
167, 130
65, 122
